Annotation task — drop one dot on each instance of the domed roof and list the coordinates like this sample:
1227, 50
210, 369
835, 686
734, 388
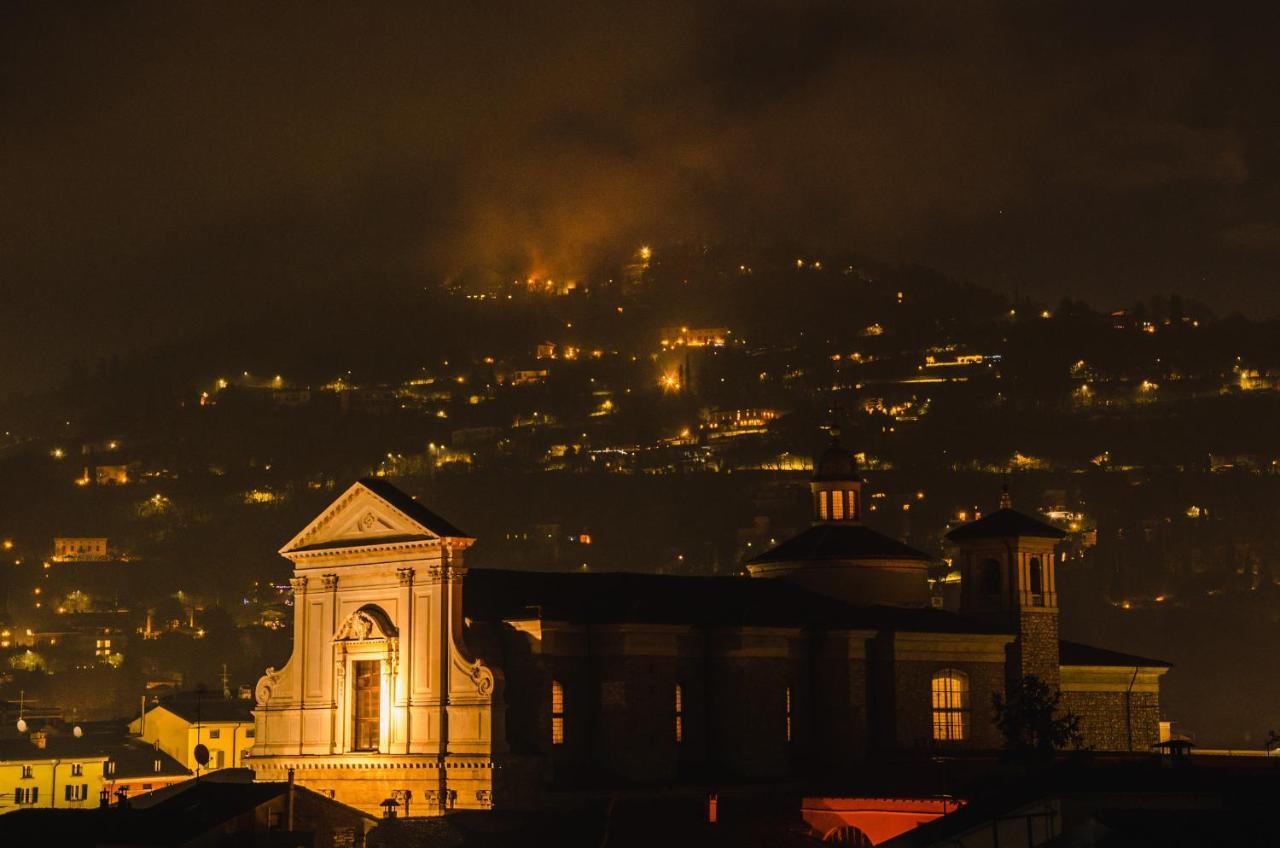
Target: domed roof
836, 462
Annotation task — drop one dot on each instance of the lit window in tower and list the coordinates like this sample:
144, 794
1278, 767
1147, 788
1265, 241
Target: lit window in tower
823, 500
851, 498
837, 505
557, 713
1035, 581
679, 713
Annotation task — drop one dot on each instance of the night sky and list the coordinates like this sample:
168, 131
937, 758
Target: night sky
167, 168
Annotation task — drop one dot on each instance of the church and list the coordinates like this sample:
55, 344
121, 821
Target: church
418, 680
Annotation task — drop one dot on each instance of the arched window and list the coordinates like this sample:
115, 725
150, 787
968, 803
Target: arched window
679, 713
837, 505
557, 713
950, 705
989, 578
1035, 580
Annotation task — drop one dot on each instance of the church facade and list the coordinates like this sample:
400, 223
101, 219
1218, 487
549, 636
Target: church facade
380, 695
413, 678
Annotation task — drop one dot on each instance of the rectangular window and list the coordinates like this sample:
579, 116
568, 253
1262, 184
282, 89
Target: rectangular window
76, 792
950, 706
110, 767
823, 500
557, 713
26, 772
788, 706
367, 698
837, 505
27, 795
249, 734
679, 713
215, 734
77, 769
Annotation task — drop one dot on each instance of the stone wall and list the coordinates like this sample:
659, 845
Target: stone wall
1106, 722
831, 725
620, 710
913, 702
1036, 651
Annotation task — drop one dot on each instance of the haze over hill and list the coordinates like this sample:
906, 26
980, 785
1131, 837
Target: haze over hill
170, 173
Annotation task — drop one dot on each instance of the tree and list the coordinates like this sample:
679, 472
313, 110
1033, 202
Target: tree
1031, 721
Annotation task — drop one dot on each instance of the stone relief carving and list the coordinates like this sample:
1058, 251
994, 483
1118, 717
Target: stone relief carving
299, 585
265, 686
481, 677
364, 624
330, 581
443, 572
367, 522
360, 625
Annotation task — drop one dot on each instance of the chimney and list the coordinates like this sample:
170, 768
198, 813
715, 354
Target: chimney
40, 739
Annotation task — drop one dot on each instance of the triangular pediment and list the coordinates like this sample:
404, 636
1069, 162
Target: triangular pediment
360, 517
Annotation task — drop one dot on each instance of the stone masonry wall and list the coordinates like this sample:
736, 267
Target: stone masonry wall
1037, 647
913, 702
1103, 719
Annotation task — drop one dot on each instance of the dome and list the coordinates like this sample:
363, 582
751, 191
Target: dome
835, 463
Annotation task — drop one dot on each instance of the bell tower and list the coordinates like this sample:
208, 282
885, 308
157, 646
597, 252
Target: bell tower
1007, 572
836, 485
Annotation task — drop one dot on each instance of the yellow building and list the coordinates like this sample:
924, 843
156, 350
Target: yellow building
79, 549
177, 725
50, 771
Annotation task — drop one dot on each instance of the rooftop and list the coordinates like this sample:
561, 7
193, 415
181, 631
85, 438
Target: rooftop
410, 506
830, 541
835, 463
628, 598
208, 707
1073, 653
1006, 523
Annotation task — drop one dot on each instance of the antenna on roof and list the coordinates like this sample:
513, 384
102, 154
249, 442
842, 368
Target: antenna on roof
1006, 502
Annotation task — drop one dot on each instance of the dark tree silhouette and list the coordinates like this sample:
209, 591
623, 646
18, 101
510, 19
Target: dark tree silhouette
1032, 723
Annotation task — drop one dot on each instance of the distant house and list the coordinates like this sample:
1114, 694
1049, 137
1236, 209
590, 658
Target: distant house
53, 768
51, 771
136, 767
80, 549
178, 724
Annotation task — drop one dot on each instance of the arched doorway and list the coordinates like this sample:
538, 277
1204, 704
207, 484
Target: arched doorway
848, 835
